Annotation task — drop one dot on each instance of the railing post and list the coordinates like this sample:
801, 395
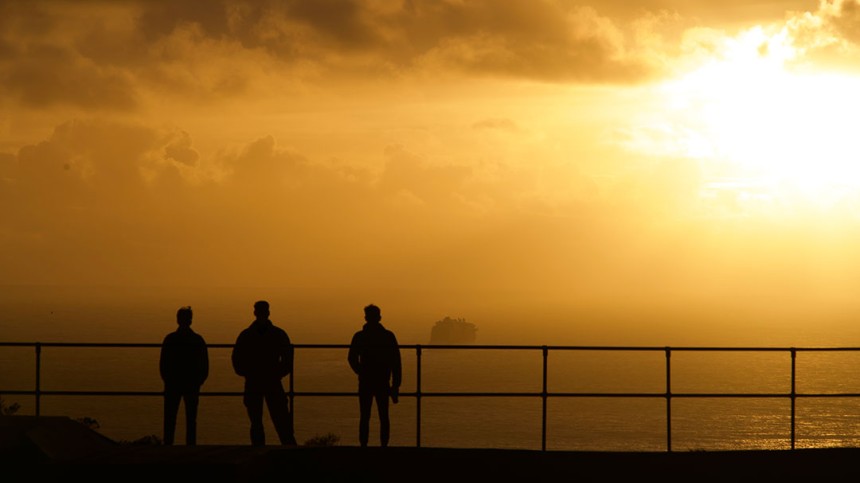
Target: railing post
668, 400
38, 378
543, 397
793, 392
418, 396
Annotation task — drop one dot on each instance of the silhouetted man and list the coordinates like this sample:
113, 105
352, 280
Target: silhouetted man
263, 355
374, 355
184, 367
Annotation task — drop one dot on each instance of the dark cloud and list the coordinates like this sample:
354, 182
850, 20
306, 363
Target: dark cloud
732, 12
345, 22
159, 18
101, 55
106, 54
89, 55
547, 40
105, 43
40, 67
44, 75
27, 19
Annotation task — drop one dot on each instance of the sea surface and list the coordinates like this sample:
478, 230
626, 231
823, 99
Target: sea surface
639, 422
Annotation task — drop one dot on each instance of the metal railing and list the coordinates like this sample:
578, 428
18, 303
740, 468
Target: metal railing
544, 394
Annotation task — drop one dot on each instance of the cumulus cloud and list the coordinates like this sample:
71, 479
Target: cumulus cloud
827, 37
180, 150
99, 152
141, 197
843, 16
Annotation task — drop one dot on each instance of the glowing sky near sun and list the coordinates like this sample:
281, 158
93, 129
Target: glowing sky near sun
656, 152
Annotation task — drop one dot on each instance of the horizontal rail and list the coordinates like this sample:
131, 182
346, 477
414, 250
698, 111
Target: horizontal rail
472, 347
690, 395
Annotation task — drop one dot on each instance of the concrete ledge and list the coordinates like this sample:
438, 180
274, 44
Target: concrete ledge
50, 449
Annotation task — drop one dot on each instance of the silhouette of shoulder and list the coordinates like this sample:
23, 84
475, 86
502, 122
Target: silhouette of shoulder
184, 357
265, 330
373, 349
262, 349
184, 337
373, 335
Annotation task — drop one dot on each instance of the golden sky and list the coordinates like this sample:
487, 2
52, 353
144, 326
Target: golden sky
673, 152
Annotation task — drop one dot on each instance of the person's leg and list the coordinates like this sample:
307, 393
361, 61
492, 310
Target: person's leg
192, 399
365, 403
382, 395
171, 407
279, 410
254, 405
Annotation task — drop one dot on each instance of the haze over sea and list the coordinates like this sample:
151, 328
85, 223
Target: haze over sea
145, 315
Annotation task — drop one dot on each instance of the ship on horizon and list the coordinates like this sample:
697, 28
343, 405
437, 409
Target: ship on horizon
453, 331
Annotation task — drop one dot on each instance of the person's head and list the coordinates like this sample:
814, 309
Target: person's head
261, 309
183, 316
372, 314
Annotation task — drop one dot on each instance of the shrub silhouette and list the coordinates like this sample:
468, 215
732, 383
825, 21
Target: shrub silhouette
10, 409
328, 439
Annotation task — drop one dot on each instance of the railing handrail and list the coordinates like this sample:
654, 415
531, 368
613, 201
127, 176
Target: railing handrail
465, 346
475, 347
418, 394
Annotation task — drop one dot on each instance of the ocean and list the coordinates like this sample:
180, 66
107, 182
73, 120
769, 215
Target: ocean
606, 423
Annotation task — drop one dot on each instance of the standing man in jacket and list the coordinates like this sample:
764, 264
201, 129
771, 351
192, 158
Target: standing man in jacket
374, 355
263, 355
184, 366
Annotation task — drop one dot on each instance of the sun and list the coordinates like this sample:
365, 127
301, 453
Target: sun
768, 131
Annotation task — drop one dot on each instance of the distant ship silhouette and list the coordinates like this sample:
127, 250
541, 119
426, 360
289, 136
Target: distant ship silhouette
453, 331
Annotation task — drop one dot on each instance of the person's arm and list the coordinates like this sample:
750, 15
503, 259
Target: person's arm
396, 367
352, 356
287, 355
164, 359
237, 357
204, 361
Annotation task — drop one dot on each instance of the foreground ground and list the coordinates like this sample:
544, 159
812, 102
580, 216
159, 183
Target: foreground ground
45, 449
